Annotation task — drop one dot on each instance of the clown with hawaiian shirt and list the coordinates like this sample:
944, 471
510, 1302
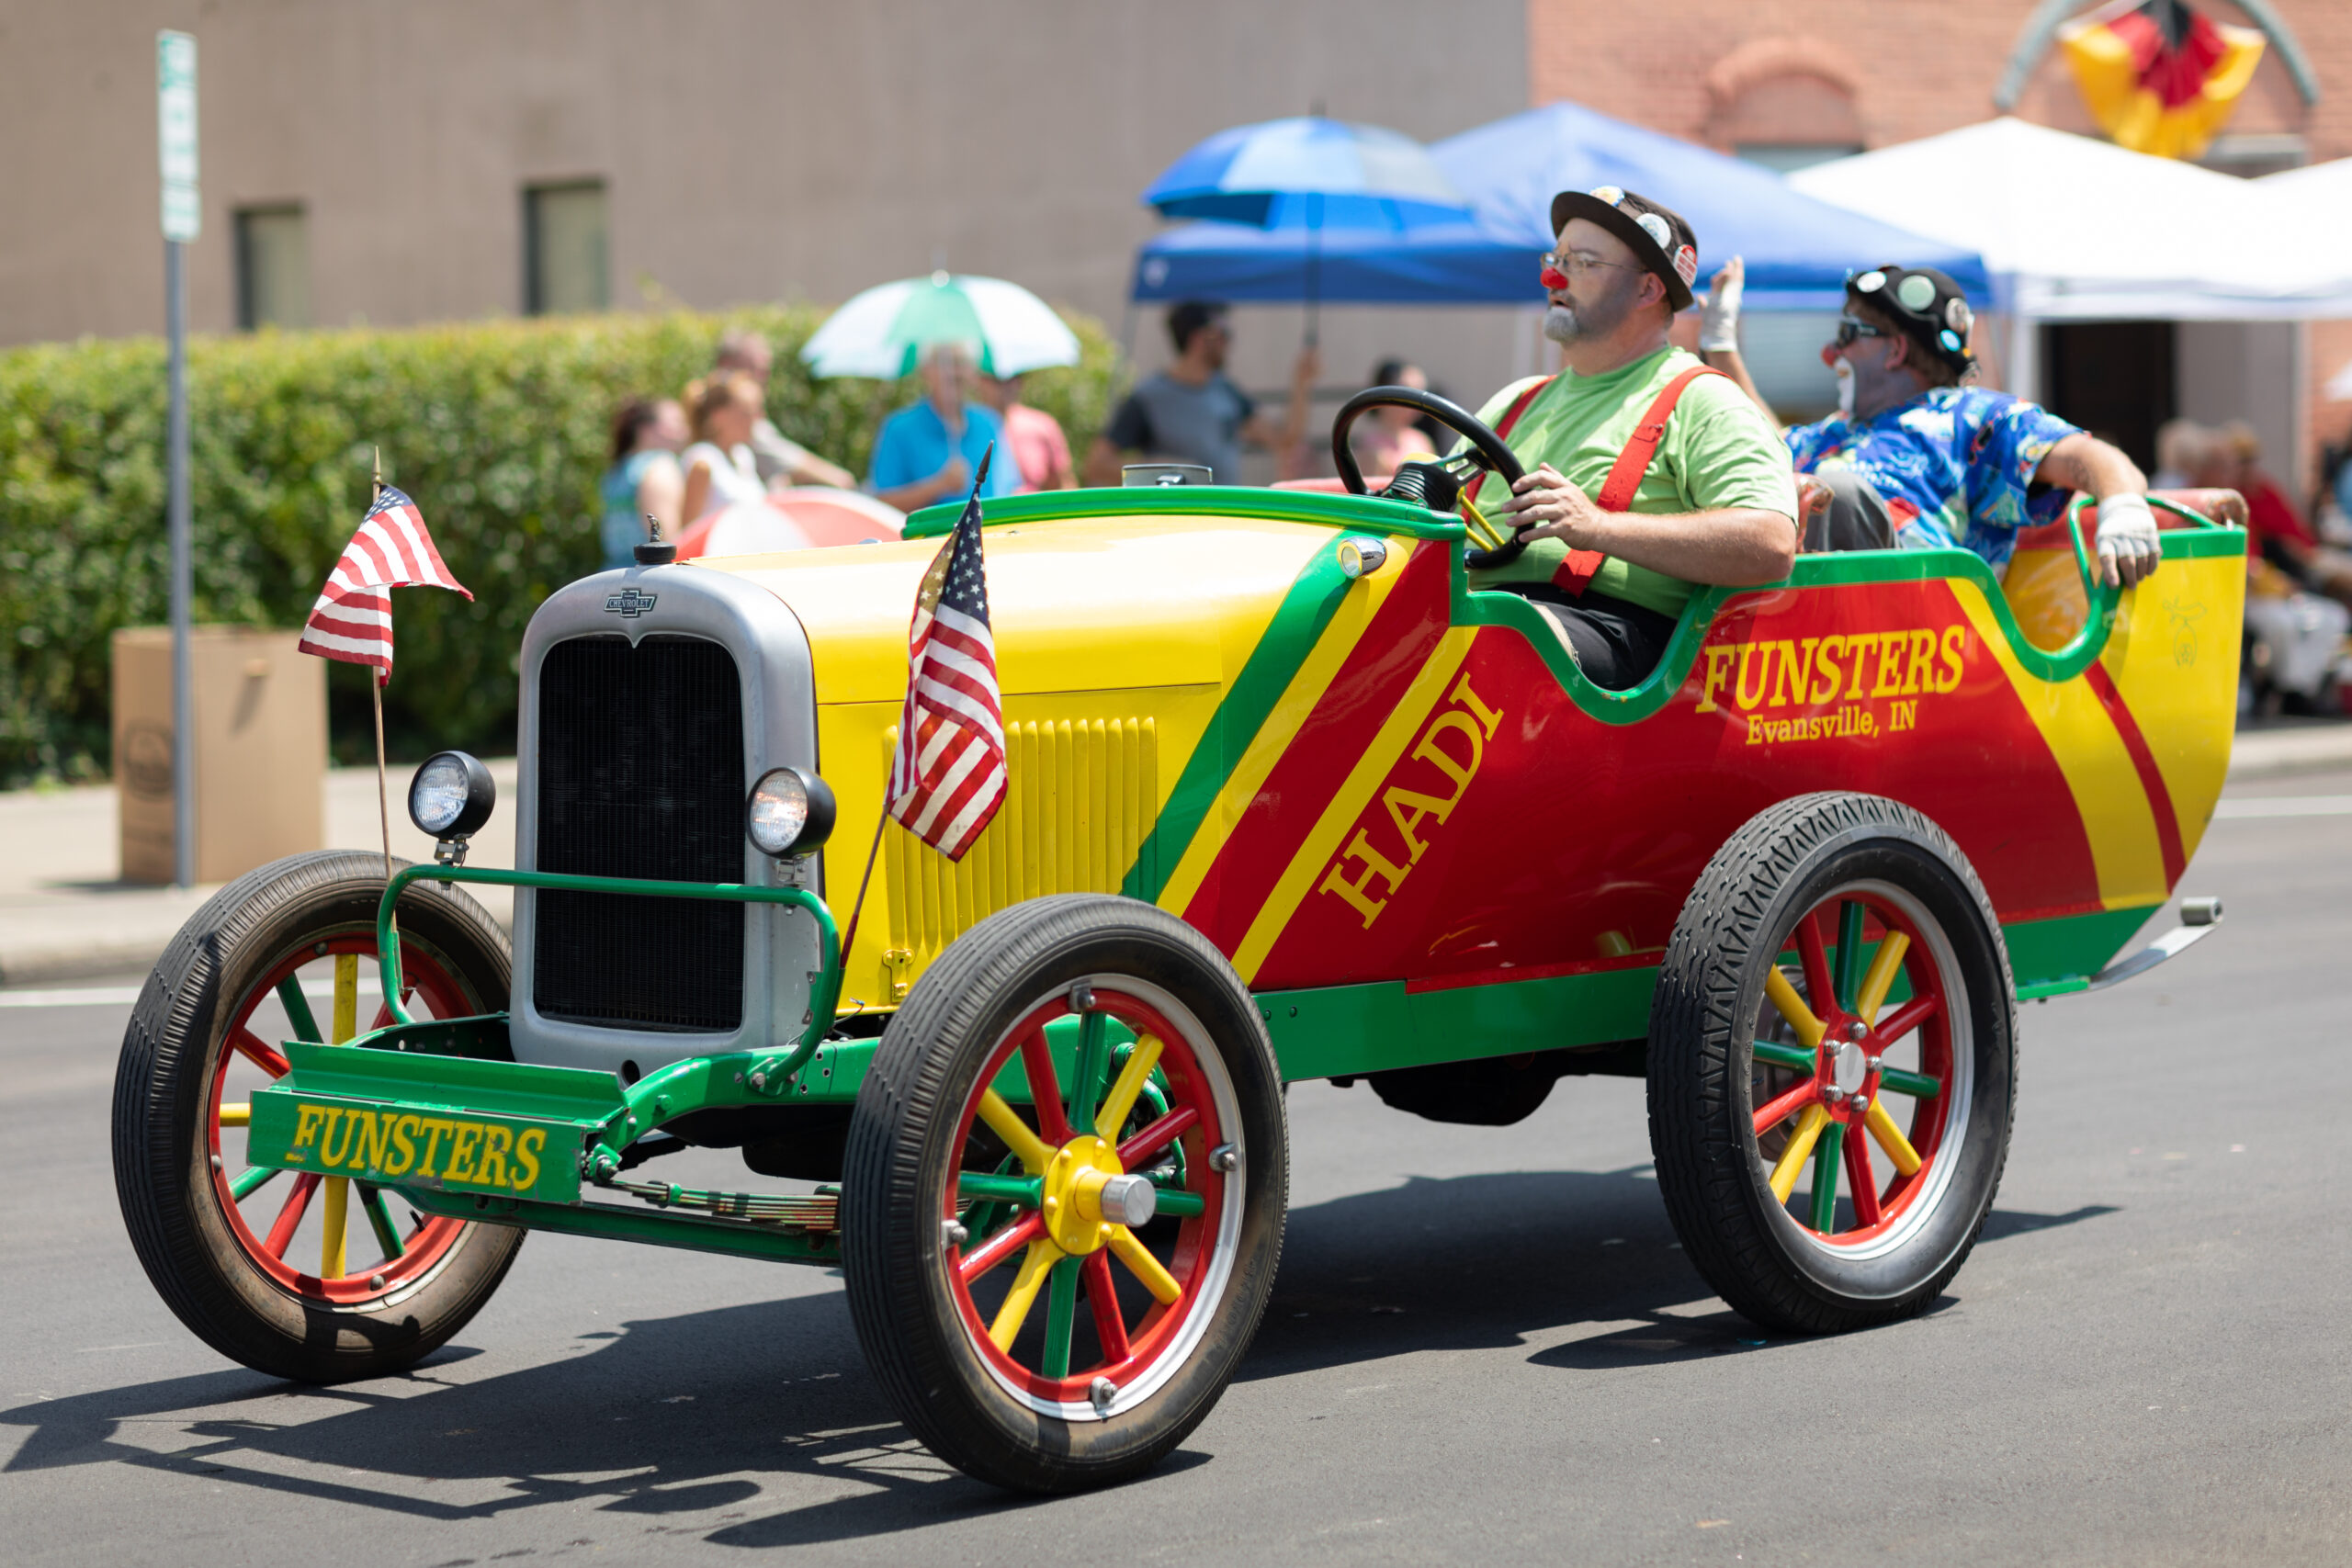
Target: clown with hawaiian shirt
1916, 458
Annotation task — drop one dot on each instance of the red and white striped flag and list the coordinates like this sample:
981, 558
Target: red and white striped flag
353, 619
947, 775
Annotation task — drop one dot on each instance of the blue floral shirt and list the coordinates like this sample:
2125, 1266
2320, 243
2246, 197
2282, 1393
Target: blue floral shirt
1954, 465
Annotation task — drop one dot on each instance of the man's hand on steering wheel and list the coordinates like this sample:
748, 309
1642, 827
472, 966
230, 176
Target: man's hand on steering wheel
1547, 505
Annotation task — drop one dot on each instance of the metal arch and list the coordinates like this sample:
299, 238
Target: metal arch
2033, 40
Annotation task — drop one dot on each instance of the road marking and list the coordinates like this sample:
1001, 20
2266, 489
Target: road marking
2285, 805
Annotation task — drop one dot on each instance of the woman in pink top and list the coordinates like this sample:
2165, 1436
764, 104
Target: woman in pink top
1034, 437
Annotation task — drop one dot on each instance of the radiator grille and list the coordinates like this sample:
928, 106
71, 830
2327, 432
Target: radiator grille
641, 774
1078, 804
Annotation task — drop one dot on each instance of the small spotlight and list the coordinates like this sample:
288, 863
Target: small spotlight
449, 799
790, 813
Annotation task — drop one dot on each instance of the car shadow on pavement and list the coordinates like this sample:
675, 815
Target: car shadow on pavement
671, 1418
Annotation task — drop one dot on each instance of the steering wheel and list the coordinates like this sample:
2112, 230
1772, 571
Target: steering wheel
1485, 454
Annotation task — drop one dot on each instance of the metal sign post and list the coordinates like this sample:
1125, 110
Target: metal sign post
182, 216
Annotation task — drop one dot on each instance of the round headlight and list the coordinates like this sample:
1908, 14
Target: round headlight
790, 812
451, 796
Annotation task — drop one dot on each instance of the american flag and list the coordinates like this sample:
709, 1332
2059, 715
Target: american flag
353, 619
947, 774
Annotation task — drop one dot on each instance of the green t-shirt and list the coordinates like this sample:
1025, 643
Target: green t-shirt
1719, 451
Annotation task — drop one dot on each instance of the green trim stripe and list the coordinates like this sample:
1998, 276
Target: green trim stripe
1208, 502
1313, 599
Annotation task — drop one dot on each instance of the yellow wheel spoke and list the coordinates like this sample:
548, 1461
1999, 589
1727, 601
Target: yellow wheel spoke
1808, 1129
1036, 1265
1145, 1267
1123, 1094
1890, 1138
1006, 1124
331, 1239
1881, 975
1784, 997
238, 1114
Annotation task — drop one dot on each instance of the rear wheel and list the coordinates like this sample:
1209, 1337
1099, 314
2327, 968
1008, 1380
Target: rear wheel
1063, 1201
1832, 1065
300, 1276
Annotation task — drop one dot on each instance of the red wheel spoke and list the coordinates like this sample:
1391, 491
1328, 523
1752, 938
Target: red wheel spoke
1102, 1296
248, 1044
1045, 1089
1907, 1018
289, 1217
1157, 1137
1860, 1179
999, 1247
1818, 990
1787, 1105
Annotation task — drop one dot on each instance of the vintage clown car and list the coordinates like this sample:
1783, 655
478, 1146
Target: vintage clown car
1289, 799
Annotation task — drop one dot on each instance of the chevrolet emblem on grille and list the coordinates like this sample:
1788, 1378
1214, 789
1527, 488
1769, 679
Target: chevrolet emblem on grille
631, 603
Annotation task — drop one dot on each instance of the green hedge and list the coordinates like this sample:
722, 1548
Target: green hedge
498, 430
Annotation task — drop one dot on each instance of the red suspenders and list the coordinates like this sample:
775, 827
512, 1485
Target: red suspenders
1625, 474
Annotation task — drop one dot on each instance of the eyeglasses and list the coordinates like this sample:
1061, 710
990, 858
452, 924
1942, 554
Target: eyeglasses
1848, 329
1566, 265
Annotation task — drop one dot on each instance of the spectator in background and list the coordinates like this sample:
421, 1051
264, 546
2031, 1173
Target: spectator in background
779, 461
644, 480
1384, 438
1033, 436
719, 467
928, 451
1190, 413
2278, 531
2182, 446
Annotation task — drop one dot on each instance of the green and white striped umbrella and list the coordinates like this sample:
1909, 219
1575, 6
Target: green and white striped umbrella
884, 331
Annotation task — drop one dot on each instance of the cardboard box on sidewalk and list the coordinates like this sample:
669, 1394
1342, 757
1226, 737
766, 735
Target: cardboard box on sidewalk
261, 750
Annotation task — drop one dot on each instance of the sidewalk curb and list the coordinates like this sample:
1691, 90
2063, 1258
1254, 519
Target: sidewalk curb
2282, 754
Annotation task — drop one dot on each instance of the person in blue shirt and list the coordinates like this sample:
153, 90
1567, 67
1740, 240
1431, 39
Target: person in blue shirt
928, 451
1917, 457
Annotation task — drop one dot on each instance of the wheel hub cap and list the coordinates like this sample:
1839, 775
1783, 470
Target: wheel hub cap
1848, 1066
1077, 1182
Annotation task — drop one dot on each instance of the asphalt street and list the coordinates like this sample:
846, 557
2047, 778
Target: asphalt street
1484, 1345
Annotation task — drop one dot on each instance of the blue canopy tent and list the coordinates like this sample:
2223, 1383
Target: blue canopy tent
1798, 250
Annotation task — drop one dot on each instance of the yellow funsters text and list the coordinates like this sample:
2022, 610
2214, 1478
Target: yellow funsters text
390, 1144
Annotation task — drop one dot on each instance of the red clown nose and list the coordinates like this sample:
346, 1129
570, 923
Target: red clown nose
1552, 277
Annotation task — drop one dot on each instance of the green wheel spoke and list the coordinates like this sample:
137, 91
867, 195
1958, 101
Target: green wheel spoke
1061, 1315
298, 1009
1026, 1190
379, 1219
1182, 1204
1086, 1073
1850, 952
1825, 1176
1793, 1057
1917, 1084
248, 1182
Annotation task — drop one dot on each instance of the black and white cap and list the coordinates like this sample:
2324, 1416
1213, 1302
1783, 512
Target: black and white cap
1926, 304
1660, 236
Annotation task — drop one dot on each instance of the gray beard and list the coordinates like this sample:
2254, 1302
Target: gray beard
1561, 325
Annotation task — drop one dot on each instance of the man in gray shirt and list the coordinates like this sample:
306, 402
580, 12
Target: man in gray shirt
1190, 413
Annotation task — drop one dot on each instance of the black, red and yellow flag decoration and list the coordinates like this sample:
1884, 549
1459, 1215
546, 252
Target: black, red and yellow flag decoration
2159, 77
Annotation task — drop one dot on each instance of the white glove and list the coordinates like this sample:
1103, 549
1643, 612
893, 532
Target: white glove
2128, 550
1719, 326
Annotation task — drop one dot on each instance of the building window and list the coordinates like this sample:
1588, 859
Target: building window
564, 248
273, 268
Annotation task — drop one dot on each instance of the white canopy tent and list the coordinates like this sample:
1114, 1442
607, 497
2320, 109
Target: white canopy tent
2074, 228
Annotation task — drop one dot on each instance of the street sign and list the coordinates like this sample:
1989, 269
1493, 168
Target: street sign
175, 134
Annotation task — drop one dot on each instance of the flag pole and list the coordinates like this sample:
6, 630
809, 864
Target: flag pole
375, 693
849, 938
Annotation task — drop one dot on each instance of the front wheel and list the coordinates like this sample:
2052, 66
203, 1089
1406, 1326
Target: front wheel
1063, 1199
312, 1279
1832, 1064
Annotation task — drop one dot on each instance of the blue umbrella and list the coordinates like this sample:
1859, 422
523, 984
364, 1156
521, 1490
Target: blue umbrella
1310, 174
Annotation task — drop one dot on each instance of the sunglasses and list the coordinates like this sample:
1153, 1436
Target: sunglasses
1848, 329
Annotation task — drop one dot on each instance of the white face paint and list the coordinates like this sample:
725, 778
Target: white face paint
1845, 374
